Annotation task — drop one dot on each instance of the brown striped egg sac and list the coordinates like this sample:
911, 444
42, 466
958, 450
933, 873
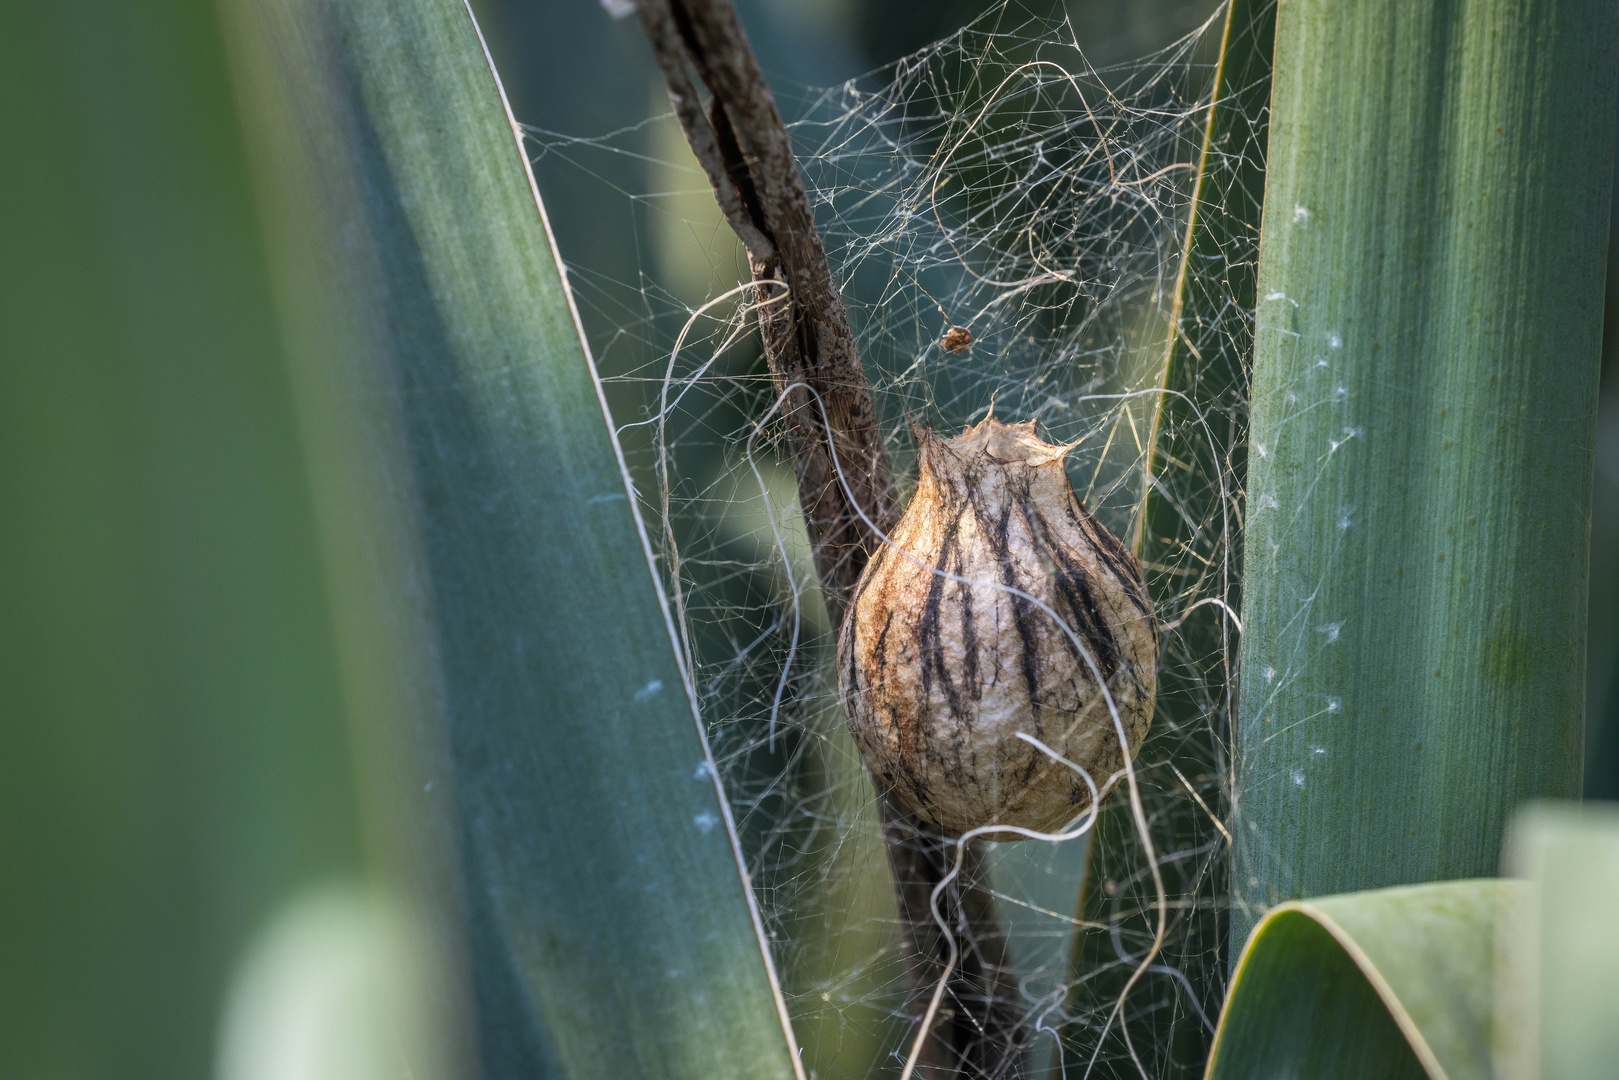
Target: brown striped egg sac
943, 659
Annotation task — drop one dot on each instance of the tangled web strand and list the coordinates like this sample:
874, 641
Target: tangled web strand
1007, 224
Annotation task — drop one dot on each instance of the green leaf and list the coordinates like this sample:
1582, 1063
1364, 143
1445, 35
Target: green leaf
512, 600
1558, 982
1419, 485
173, 761
1389, 983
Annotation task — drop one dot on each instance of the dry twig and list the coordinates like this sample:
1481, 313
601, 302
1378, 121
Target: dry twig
743, 146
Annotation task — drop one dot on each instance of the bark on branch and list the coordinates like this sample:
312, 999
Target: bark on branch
743, 146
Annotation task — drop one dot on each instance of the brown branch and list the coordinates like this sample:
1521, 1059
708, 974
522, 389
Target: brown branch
979, 1031
743, 146
660, 28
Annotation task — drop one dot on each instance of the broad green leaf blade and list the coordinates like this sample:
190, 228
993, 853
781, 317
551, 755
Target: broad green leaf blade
1424, 384
610, 927
1390, 983
1563, 946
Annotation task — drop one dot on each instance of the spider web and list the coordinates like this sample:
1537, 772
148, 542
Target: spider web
994, 181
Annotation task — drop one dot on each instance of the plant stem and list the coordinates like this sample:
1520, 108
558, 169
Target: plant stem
745, 150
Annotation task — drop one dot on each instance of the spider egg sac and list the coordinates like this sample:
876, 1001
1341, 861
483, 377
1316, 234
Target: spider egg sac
941, 664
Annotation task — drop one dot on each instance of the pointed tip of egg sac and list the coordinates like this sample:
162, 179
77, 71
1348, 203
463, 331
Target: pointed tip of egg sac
1007, 443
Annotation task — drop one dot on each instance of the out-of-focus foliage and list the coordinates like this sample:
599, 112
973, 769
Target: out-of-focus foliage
173, 762
1557, 979
499, 575
173, 758
1392, 982
1463, 980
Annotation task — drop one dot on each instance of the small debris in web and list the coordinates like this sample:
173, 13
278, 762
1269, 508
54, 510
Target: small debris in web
956, 339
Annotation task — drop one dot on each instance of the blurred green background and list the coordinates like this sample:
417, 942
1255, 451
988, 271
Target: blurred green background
173, 763
175, 758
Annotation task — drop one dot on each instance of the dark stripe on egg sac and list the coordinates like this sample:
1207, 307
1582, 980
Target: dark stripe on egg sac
1021, 608
1073, 583
849, 643
848, 635
879, 651
969, 636
1119, 560
929, 636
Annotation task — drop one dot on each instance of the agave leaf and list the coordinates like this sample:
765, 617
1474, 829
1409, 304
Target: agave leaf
514, 606
1393, 983
1424, 398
